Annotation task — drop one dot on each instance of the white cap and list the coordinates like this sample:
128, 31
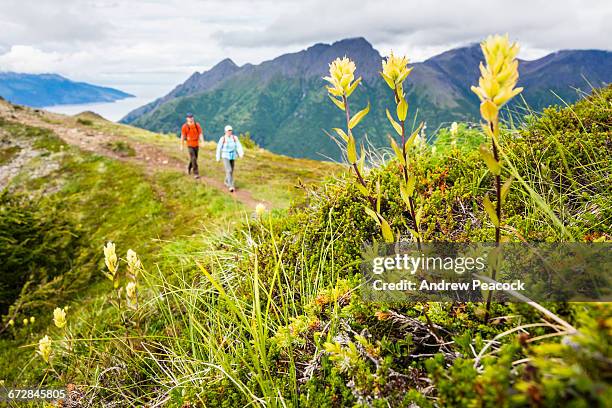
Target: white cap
228, 127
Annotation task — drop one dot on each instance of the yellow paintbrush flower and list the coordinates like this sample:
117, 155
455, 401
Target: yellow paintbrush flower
395, 70
110, 257
25, 322
130, 290
454, 129
133, 262
499, 77
32, 319
44, 348
59, 317
260, 209
341, 76
132, 297
11, 322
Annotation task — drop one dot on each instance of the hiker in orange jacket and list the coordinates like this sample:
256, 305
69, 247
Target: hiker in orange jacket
192, 135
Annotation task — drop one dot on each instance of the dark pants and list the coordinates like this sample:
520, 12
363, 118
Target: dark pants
193, 160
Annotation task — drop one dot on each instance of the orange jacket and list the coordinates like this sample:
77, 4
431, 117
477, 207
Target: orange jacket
191, 134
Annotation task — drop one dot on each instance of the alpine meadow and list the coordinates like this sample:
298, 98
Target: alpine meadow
127, 283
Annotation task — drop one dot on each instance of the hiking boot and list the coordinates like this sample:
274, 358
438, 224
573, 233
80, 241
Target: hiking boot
197, 176
232, 189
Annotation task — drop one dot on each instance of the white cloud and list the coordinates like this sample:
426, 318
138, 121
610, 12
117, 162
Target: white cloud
160, 42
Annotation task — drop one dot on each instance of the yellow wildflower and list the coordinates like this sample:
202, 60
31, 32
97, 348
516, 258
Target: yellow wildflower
130, 290
500, 75
44, 348
133, 262
341, 76
260, 209
110, 257
395, 70
32, 319
454, 129
59, 317
25, 322
11, 322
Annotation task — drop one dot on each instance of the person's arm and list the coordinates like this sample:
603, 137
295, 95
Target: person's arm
201, 136
182, 142
219, 144
239, 147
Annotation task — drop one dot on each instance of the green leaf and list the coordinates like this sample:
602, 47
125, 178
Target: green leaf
402, 109
413, 232
413, 136
378, 195
358, 116
351, 150
488, 206
353, 86
396, 125
495, 258
418, 216
372, 214
493, 165
505, 189
386, 231
404, 193
489, 111
410, 184
361, 161
337, 102
398, 151
362, 189
341, 133
388, 80
403, 75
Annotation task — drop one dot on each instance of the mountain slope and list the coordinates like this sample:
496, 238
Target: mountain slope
40, 90
283, 103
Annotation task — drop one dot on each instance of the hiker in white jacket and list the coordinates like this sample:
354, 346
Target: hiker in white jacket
227, 149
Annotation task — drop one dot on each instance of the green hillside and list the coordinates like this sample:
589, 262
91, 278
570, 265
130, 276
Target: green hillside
238, 309
286, 114
127, 283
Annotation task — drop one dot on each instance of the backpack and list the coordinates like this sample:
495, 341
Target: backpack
233, 154
223, 144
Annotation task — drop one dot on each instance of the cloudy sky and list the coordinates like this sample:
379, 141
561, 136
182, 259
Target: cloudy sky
148, 46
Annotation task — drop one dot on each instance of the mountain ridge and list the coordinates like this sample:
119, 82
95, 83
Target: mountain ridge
268, 99
50, 89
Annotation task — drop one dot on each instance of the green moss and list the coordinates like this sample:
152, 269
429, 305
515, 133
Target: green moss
8, 153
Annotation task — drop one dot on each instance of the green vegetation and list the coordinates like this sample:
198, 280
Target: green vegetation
121, 147
223, 307
84, 122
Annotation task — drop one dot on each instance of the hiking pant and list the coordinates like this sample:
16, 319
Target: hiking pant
193, 160
229, 172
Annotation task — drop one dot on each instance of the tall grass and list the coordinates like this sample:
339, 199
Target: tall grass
217, 323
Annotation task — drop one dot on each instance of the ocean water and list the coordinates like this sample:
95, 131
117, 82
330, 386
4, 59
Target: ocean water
109, 110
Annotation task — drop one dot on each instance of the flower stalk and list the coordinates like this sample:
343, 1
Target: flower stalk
496, 86
395, 71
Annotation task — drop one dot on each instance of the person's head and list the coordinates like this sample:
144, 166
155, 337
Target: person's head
228, 130
190, 119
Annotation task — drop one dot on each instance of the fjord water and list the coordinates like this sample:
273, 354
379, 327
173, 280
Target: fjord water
109, 110
116, 110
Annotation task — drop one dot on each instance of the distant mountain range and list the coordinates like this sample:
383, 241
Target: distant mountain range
283, 103
40, 90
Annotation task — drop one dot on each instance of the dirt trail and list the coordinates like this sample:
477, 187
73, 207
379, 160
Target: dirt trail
93, 140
